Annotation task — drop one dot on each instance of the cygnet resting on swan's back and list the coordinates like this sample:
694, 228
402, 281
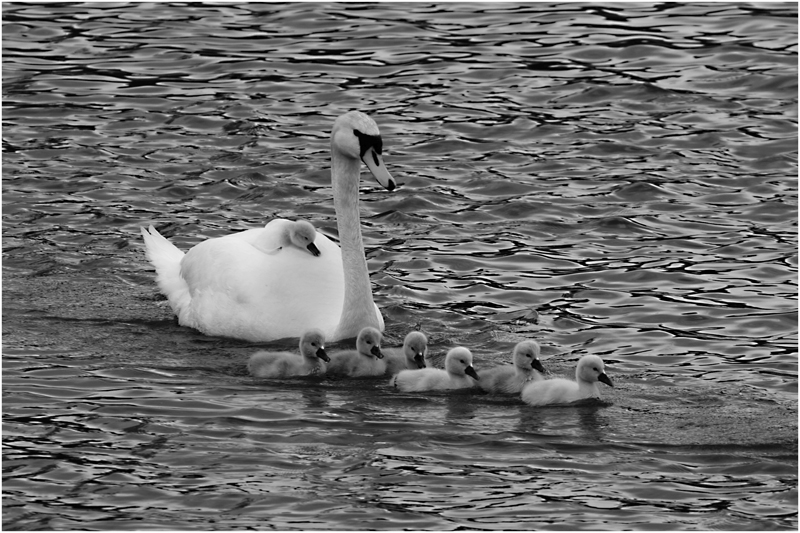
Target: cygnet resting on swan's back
590, 370
366, 360
227, 286
509, 379
458, 374
310, 362
282, 233
411, 356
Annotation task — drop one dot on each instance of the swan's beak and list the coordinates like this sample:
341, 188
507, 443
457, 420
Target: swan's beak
322, 355
376, 352
313, 249
537, 365
374, 163
605, 379
471, 372
420, 360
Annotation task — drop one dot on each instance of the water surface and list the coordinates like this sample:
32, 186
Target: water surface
614, 179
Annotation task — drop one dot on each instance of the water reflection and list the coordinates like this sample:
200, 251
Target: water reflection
315, 397
461, 406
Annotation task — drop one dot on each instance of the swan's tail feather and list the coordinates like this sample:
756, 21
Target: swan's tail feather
166, 258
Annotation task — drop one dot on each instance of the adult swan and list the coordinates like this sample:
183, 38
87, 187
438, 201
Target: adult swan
230, 287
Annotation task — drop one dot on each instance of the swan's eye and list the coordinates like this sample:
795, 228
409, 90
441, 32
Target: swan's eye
365, 142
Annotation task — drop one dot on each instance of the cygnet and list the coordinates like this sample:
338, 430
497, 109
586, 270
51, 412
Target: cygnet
590, 370
458, 374
411, 356
299, 233
509, 379
366, 360
311, 360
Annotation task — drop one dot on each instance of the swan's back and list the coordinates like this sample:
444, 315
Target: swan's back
353, 364
551, 391
275, 364
423, 379
239, 291
503, 379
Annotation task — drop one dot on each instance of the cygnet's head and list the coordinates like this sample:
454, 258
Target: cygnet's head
526, 356
459, 362
312, 344
368, 342
591, 369
302, 234
415, 347
356, 136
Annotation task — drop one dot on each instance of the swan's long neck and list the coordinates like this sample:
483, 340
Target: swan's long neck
359, 309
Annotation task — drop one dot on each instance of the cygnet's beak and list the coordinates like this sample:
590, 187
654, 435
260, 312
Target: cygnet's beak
374, 163
376, 351
322, 355
471, 372
420, 360
537, 365
313, 249
605, 379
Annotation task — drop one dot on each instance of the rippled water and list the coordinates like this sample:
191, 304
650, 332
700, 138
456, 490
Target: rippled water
616, 179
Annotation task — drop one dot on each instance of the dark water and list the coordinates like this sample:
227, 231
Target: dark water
616, 179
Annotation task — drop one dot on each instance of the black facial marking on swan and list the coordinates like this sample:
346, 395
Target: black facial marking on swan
365, 142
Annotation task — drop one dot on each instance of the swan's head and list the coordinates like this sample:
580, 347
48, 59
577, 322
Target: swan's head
415, 347
312, 345
302, 234
368, 342
356, 136
591, 370
526, 356
459, 362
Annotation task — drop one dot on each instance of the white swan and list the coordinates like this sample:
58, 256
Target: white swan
366, 360
590, 370
413, 355
286, 364
509, 379
226, 286
458, 374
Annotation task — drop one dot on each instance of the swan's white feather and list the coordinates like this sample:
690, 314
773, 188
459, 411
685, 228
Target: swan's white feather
230, 280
